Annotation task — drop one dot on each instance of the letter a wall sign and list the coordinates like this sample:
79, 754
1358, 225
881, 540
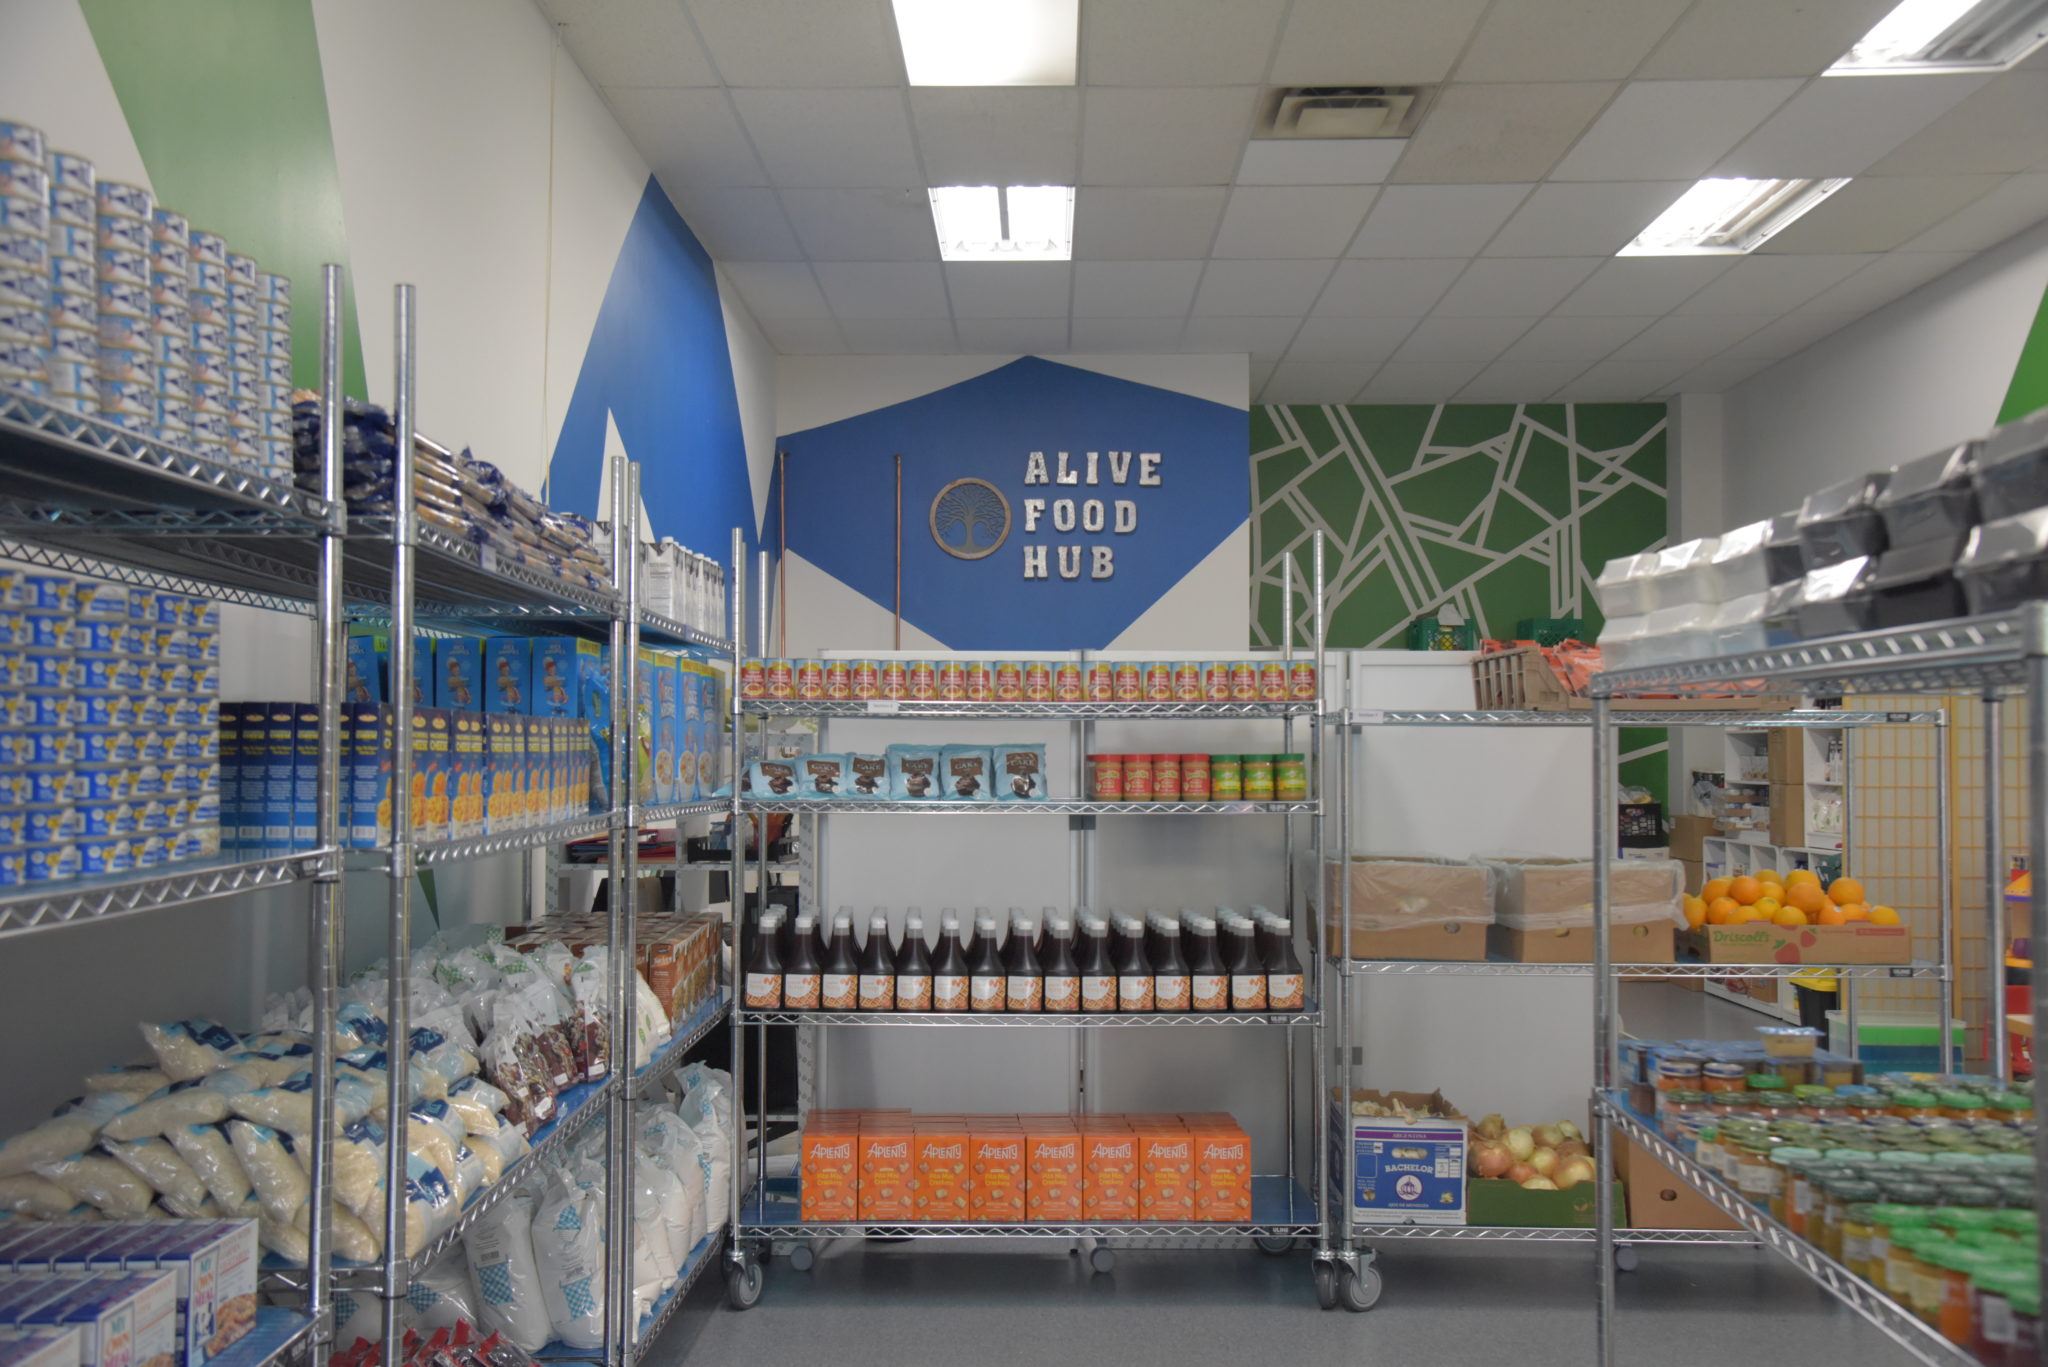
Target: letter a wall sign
1045, 507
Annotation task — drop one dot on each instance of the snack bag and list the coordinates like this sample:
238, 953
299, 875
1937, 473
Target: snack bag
914, 772
1019, 773
965, 773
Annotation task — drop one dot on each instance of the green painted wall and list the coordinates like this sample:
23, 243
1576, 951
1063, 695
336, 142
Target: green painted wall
228, 106
2029, 389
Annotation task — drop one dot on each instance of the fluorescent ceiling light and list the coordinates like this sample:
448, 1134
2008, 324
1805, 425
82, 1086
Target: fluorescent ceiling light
989, 42
1728, 217
989, 223
1948, 35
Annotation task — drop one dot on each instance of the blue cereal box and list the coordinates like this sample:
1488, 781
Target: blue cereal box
552, 692
362, 749
363, 680
1410, 1158
458, 670
273, 817
305, 775
507, 673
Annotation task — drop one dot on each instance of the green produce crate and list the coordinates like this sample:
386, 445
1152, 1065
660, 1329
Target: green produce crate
1550, 631
1427, 633
1496, 1201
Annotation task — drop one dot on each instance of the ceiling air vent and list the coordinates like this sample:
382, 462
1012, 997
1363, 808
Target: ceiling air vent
1341, 111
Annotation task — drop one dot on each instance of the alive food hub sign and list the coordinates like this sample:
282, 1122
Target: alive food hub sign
1044, 506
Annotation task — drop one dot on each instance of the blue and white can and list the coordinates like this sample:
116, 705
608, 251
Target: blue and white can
149, 851
48, 825
101, 636
104, 782
13, 667
69, 242
211, 338
24, 215
169, 287
273, 424
13, 822
50, 863
209, 307
172, 413
242, 269
24, 360
14, 787
17, 747
271, 313
123, 234
52, 747
15, 709
276, 343
13, 866
242, 302
244, 352
172, 349
98, 855
210, 399
211, 433
171, 318
24, 323
74, 309
48, 630
106, 818
124, 264
133, 338
209, 247
75, 275
69, 171
211, 368
48, 668
22, 142
75, 387
50, 783
27, 287
105, 745
152, 709
80, 346
73, 208
49, 592
57, 707
125, 201
27, 180
172, 257
24, 251
14, 626
119, 299
168, 225
174, 382
124, 370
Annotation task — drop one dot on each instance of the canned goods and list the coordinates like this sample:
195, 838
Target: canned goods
17, 746
102, 602
152, 747
73, 208
169, 287
152, 813
203, 745
211, 428
210, 338
22, 215
49, 592
48, 707
27, 360
170, 226
103, 782
115, 233
1158, 682
151, 709
175, 318
276, 342
172, 349
122, 361
212, 368
272, 286
14, 708
85, 400
1244, 681
13, 788
211, 248
106, 818
73, 244
104, 707
274, 370
273, 424
242, 270
24, 287
49, 863
13, 626
13, 822
13, 667
24, 251
48, 825
208, 305
173, 382
104, 745
24, 323
23, 180
106, 671
48, 668
52, 747
1100, 682
13, 866
149, 851
1272, 681
124, 201
243, 352
49, 783
273, 314
105, 855
22, 142
74, 310
209, 397
1187, 681
76, 346
120, 299
169, 608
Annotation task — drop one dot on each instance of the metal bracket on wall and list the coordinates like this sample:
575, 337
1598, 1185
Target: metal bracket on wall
1080, 823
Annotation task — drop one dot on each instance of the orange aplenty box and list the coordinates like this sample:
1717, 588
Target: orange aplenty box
941, 1186
886, 1171
1052, 1160
1166, 1165
1222, 1170
1109, 1173
999, 1183
830, 1176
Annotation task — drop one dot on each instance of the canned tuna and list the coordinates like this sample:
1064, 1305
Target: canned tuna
70, 309
74, 275
128, 234
243, 351
24, 251
209, 337
24, 215
168, 225
211, 428
277, 396
171, 318
274, 424
271, 313
210, 397
211, 368
276, 343
24, 180
242, 269
24, 287
124, 264
173, 258
28, 360
209, 305
174, 381
242, 300
126, 201
70, 242
172, 349
22, 142
73, 173
73, 207
121, 300
75, 379
209, 247
127, 399
169, 287
173, 411
126, 366
275, 370
24, 323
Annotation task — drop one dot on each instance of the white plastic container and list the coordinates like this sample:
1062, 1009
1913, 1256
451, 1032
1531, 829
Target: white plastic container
1685, 575
1621, 640
1740, 563
1739, 625
1623, 588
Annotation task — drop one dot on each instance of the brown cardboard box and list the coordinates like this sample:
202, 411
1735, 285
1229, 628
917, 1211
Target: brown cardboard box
1785, 757
1758, 943
1788, 814
1638, 944
1688, 834
1659, 1198
1410, 908
1695, 876
1544, 910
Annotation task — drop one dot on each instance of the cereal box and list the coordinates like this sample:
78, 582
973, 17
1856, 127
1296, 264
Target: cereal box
1165, 1173
45, 1347
1109, 1173
941, 1190
458, 672
508, 673
996, 1150
363, 679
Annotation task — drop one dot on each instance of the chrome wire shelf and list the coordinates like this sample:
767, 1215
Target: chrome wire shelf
918, 709
44, 906
459, 580
848, 806
666, 1304
657, 630
1530, 1234
277, 1333
533, 837
1805, 718
687, 1036
1280, 1209
1968, 654
1896, 1322
1064, 1020
1358, 968
676, 811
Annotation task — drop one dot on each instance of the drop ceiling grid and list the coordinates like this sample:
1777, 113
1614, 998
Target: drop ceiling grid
697, 85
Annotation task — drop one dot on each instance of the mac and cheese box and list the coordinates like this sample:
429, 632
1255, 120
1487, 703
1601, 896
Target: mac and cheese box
466, 775
1165, 1173
508, 673
1052, 1163
1222, 1169
886, 1171
458, 672
1109, 1172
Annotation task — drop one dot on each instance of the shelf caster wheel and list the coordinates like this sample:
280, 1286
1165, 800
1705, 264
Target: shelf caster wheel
803, 1258
1102, 1259
1326, 1285
1626, 1259
743, 1284
1274, 1246
1359, 1290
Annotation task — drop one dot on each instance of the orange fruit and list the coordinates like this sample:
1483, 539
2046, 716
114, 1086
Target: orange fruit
1846, 890
1790, 916
1695, 912
1746, 890
1716, 887
1884, 916
1767, 908
1773, 892
1830, 915
1806, 896
1854, 911
1721, 912
1798, 876
1767, 876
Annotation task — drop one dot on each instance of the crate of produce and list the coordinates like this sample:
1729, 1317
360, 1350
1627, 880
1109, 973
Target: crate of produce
1550, 631
1762, 942
1409, 1151
1498, 1202
1527, 679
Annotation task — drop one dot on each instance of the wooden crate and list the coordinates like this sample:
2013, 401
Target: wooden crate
1521, 680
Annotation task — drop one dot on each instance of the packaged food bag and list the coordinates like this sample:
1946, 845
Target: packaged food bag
913, 772
964, 773
1019, 773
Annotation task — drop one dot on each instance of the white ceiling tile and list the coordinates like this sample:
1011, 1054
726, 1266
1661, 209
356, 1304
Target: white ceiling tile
1435, 220
899, 336
778, 289
1266, 337
1773, 284
1890, 276
1794, 332
1390, 42
1584, 218
1002, 336
1164, 136
1643, 286
1009, 289
1315, 381
1690, 337
998, 135
1724, 38
1585, 340
1262, 371
1621, 382
1839, 126
631, 42
1877, 213
1113, 223
1498, 133
1721, 373
1473, 340
1566, 40
1523, 287
1403, 289
1519, 381
2003, 127
1135, 289
1418, 381
738, 224
1250, 289
689, 134
804, 336
1156, 335
1178, 42
864, 225
884, 289
1267, 221
831, 137
800, 43
1350, 339
1319, 161
2013, 207
1658, 130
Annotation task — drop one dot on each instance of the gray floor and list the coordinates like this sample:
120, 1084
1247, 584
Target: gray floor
996, 1304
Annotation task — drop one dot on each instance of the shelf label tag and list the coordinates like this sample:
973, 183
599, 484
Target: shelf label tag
884, 707
488, 558
1371, 717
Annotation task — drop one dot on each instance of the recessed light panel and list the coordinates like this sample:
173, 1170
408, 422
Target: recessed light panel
1729, 216
994, 223
989, 42
1948, 36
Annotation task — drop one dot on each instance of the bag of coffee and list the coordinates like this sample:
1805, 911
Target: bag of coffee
866, 776
1020, 773
965, 771
913, 772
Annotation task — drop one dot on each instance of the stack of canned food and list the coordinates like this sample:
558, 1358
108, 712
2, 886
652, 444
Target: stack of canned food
109, 728
24, 261
958, 680
259, 336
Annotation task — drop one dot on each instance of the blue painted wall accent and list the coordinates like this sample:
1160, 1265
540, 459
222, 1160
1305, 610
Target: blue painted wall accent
658, 362
842, 501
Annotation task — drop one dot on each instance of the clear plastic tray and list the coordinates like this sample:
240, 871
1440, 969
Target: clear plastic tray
1741, 562
1784, 552
1685, 575
1836, 599
1917, 583
1933, 498
1623, 588
1739, 625
1841, 522
2012, 469
2006, 562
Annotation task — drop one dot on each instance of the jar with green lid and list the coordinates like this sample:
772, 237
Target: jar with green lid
1964, 1162
2011, 1105
2014, 1192
1706, 1144
1854, 1233
1995, 1292
1957, 1218
1824, 1107
1765, 1082
1910, 1104
1734, 1135
1811, 1089
1889, 1220
1910, 1279
1791, 1160
1830, 1210
1226, 778
1258, 778
1955, 1267
1973, 1195
1805, 1198
1957, 1105
1755, 1175
1898, 1157
2024, 1223
1290, 778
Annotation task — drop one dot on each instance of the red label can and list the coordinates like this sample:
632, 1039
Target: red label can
1009, 681
1187, 681
1244, 681
893, 679
867, 679
781, 679
1159, 682
1101, 681
980, 685
1130, 683
1272, 681
1037, 681
754, 679
810, 679
1301, 681
839, 679
923, 680
1216, 681
953, 681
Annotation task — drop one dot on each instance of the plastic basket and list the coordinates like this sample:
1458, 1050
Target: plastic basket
1427, 633
1642, 825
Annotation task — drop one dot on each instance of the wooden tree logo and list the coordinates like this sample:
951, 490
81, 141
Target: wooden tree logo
970, 519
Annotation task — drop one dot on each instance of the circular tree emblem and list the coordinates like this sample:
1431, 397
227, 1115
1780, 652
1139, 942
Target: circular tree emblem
970, 518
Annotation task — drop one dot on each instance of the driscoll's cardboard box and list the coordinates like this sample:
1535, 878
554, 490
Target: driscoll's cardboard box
1760, 943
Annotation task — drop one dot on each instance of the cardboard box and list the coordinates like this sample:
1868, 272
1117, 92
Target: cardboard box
1544, 910
508, 673
1638, 944
124, 1319
1495, 1201
44, 1347
1166, 1172
829, 1173
1759, 943
1785, 757
1409, 908
996, 1151
466, 775
1052, 1165
1109, 1172
1788, 814
1695, 875
212, 1264
458, 673
1659, 1198
943, 1190
363, 671
1407, 1171
1689, 835
886, 1170
1223, 1170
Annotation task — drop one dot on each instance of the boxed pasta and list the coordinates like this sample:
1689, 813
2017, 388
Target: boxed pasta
212, 1263
44, 1347
124, 1319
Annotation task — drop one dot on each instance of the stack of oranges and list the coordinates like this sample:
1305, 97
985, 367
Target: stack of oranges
1797, 899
